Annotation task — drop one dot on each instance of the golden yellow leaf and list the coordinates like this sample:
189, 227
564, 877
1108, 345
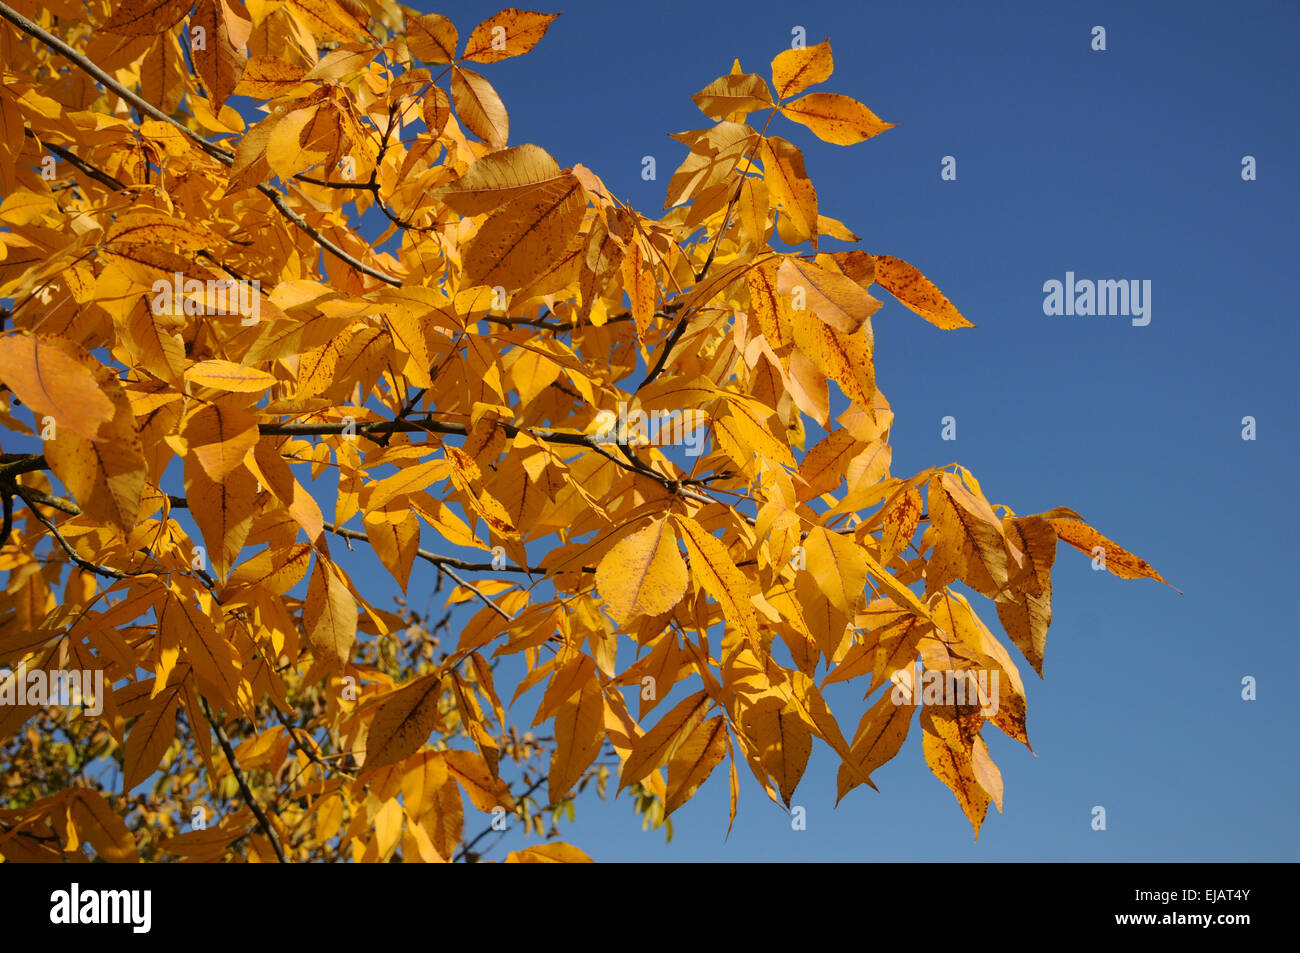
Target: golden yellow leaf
101, 827
227, 375
986, 772
146, 17
969, 543
844, 358
639, 282
1026, 611
791, 190
211, 655
712, 567
106, 476
394, 533
484, 788
1118, 560
579, 731
508, 33
218, 60
783, 743
407, 480
822, 467
403, 722
499, 177
839, 566
836, 118
950, 758
479, 107
658, 744
329, 20
733, 96
219, 435
150, 228
642, 574
266, 77
329, 614
54, 383
694, 760
880, 735
839, 301
795, 70
916, 291
554, 852
223, 510
431, 37
902, 515
436, 110
149, 739
524, 237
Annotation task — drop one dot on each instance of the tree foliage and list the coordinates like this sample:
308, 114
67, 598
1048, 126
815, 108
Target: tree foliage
229, 413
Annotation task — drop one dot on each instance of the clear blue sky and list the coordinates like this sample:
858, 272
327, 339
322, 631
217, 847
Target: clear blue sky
1117, 164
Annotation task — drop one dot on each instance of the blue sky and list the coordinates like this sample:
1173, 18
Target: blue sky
1122, 164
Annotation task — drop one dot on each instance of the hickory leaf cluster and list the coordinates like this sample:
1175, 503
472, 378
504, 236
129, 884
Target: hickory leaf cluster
244, 443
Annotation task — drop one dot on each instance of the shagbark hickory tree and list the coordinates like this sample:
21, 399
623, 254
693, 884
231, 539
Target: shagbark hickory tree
606, 437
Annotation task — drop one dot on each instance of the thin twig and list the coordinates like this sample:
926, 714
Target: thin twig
263, 821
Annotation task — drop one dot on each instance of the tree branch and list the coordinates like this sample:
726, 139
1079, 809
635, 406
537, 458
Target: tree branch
262, 820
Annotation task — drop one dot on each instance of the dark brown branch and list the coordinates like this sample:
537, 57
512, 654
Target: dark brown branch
262, 820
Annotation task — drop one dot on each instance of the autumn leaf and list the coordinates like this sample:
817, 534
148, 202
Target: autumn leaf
229, 376
508, 33
499, 177
712, 567
219, 436
916, 291
403, 722
150, 737
218, 59
525, 236
835, 118
791, 189
1118, 560
642, 574
479, 107
146, 17
795, 70
579, 730
835, 299
732, 96
330, 614
54, 383
658, 744
694, 760
432, 37
554, 853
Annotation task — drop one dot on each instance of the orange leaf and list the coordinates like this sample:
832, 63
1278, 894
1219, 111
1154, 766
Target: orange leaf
1118, 560
793, 71
53, 383
479, 107
915, 290
508, 33
431, 37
